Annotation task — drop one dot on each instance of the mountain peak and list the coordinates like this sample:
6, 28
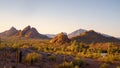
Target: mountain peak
27, 27
82, 29
76, 33
91, 31
31, 32
13, 28
12, 31
63, 33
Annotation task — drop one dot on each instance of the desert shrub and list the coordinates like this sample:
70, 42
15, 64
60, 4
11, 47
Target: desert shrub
104, 65
2, 46
40, 48
89, 55
117, 57
32, 57
78, 62
79, 54
111, 58
76, 67
93, 55
25, 46
15, 46
52, 58
60, 52
66, 65
69, 53
12, 67
108, 59
118, 67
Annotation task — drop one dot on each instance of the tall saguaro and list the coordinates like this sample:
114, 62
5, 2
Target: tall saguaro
0, 40
19, 56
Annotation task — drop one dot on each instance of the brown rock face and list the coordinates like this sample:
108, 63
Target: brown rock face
92, 36
25, 30
29, 32
12, 31
60, 38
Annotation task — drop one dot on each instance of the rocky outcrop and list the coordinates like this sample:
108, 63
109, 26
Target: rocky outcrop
30, 32
60, 39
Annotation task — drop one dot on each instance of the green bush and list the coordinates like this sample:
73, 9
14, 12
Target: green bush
93, 55
111, 58
78, 62
118, 67
2, 46
104, 65
32, 57
76, 67
15, 46
108, 59
52, 58
66, 65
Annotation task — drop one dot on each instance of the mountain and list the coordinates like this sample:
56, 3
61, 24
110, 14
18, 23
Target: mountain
27, 32
76, 33
51, 35
105, 35
30, 32
80, 31
61, 38
118, 38
92, 36
11, 32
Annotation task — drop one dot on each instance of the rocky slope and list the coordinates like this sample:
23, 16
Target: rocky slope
92, 36
11, 32
76, 33
30, 32
60, 38
27, 32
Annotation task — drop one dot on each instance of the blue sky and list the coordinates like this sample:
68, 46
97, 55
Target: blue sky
55, 16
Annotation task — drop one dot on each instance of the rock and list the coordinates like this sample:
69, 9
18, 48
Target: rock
12, 31
30, 32
61, 39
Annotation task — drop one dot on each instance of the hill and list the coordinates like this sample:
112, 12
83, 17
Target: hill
92, 36
12, 31
60, 38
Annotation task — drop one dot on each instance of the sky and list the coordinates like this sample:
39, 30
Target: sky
55, 16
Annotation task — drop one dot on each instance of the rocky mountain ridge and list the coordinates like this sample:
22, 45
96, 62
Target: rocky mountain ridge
27, 32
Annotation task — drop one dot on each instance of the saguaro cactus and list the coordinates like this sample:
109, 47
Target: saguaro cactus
0, 41
19, 56
5, 56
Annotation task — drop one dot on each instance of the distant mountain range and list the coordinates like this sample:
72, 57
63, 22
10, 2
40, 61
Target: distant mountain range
51, 35
118, 38
80, 35
76, 33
